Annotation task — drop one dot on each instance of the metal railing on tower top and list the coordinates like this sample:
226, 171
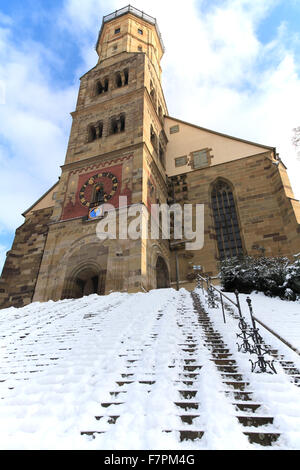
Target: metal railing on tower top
139, 14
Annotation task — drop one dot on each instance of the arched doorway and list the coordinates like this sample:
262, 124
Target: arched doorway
85, 280
162, 274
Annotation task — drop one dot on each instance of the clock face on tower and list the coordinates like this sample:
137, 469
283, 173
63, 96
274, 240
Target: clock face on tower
107, 178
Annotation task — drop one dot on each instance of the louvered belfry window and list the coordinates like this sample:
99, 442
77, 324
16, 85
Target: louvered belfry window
226, 221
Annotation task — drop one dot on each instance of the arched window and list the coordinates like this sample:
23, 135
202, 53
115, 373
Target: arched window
162, 274
114, 126
153, 137
126, 75
226, 221
152, 93
100, 130
102, 86
92, 134
117, 124
118, 80
122, 122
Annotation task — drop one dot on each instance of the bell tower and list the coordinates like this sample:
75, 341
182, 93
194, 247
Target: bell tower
116, 148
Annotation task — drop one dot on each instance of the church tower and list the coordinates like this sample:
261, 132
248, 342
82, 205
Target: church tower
126, 154
116, 148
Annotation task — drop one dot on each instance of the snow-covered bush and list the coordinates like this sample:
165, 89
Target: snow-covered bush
273, 276
292, 279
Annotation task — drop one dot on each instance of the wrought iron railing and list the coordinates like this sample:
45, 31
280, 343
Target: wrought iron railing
250, 341
138, 13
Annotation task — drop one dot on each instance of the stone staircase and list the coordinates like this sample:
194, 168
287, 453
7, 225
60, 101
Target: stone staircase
237, 389
200, 340
287, 365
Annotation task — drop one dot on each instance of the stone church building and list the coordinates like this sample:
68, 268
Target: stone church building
124, 143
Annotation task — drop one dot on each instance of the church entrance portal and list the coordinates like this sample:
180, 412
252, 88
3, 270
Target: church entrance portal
87, 281
162, 274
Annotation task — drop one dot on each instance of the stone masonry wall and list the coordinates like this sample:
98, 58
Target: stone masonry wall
22, 264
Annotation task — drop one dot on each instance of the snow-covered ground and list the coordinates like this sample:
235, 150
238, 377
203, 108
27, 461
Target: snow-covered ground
281, 396
282, 316
61, 363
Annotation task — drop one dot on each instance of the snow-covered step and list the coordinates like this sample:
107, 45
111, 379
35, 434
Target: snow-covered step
262, 438
254, 420
248, 411
187, 434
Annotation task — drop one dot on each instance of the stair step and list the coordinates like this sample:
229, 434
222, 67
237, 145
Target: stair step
91, 433
228, 369
188, 375
187, 435
192, 368
221, 351
112, 403
243, 406
188, 393
243, 396
111, 419
229, 375
116, 394
219, 356
187, 405
223, 362
188, 419
237, 385
262, 438
255, 420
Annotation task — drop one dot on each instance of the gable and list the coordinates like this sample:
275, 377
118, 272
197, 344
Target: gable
44, 202
185, 138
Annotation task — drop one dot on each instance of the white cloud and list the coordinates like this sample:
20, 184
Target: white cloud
35, 123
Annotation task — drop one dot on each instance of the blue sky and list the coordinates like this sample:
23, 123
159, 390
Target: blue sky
230, 65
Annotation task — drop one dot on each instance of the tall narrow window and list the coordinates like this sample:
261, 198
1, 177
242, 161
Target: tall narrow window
122, 122
117, 124
99, 129
119, 80
114, 126
153, 137
161, 155
101, 86
126, 77
92, 134
226, 221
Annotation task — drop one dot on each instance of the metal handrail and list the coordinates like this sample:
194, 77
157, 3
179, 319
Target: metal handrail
258, 346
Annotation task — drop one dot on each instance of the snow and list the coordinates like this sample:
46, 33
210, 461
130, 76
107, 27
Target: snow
276, 391
61, 360
282, 316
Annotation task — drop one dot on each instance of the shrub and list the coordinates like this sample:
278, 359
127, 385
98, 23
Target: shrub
274, 276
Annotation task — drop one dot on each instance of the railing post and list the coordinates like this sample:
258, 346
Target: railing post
259, 349
221, 298
244, 335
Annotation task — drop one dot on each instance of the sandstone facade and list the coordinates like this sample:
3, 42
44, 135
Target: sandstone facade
124, 143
